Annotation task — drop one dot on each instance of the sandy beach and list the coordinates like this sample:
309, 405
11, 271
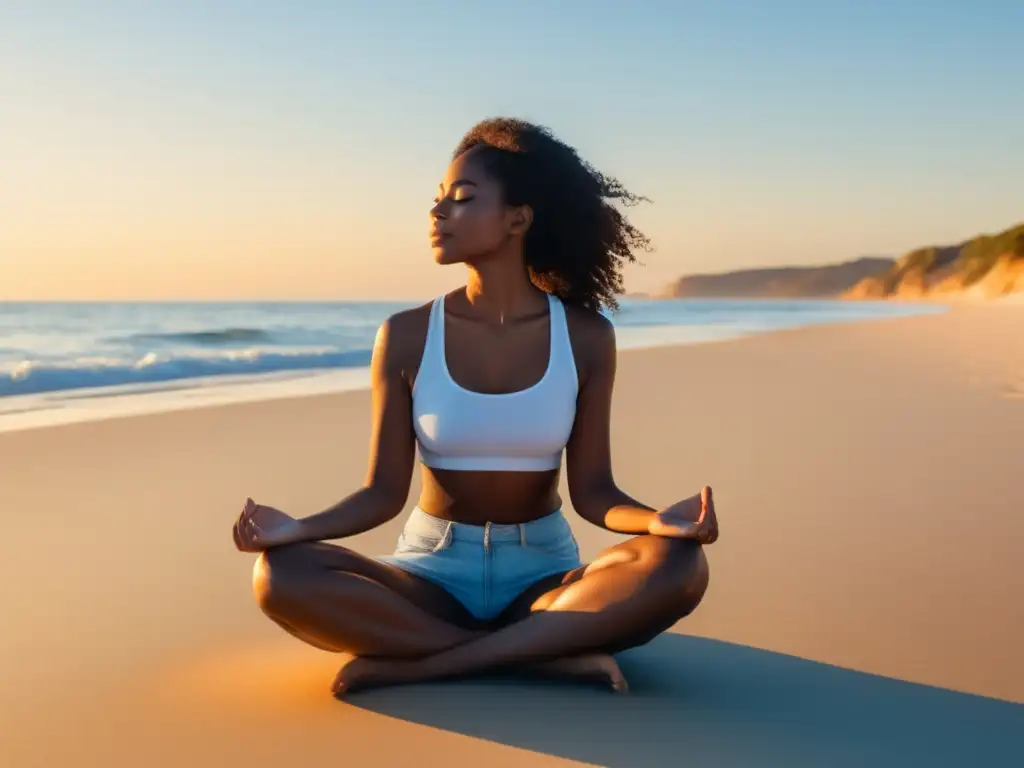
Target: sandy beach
865, 602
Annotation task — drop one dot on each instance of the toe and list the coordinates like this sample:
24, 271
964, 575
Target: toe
618, 681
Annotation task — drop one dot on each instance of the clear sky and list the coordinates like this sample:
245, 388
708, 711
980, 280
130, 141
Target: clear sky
290, 150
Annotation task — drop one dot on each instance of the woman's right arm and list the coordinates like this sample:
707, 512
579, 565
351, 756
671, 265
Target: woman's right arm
392, 446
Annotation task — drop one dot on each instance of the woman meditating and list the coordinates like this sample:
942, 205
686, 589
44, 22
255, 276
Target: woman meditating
492, 383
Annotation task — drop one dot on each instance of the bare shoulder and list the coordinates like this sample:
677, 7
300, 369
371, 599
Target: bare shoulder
401, 338
593, 340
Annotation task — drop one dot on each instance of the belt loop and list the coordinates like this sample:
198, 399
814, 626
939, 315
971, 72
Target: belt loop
522, 534
487, 535
446, 540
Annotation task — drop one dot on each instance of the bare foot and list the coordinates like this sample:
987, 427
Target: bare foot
592, 668
358, 673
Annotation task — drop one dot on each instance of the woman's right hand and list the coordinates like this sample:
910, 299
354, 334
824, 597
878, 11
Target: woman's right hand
259, 528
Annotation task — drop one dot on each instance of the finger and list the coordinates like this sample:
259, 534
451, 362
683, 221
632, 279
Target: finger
701, 534
244, 545
680, 531
707, 503
252, 543
703, 509
244, 513
252, 533
258, 514
258, 535
706, 534
240, 538
712, 516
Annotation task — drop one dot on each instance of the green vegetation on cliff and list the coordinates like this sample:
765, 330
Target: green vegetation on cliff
987, 265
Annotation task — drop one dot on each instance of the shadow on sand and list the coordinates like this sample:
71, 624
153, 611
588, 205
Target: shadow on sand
703, 702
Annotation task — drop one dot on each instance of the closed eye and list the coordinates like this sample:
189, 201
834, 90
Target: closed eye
437, 200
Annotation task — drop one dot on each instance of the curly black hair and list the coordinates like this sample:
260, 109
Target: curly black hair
578, 241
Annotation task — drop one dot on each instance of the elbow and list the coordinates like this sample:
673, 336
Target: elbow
387, 499
593, 500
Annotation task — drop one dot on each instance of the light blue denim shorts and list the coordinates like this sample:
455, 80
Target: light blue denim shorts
485, 567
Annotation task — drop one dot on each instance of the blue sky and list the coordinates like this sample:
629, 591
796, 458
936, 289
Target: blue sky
255, 148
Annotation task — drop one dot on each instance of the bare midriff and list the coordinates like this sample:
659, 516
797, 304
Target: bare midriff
476, 498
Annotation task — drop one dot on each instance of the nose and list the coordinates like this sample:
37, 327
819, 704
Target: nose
439, 211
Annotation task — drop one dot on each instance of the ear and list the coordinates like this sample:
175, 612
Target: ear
520, 219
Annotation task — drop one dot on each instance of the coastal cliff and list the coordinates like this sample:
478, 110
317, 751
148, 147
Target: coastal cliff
987, 266
827, 281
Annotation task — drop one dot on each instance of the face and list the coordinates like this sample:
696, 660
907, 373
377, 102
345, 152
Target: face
470, 221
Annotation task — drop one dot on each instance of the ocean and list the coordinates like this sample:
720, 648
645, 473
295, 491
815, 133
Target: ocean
62, 362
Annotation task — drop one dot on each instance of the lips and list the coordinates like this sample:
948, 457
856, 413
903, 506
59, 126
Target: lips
437, 238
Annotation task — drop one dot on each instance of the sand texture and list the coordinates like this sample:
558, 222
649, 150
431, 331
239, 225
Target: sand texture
866, 604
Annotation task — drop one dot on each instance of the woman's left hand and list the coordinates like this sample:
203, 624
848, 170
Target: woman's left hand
692, 518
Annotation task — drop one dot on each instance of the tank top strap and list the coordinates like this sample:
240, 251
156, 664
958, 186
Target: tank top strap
561, 342
435, 328
433, 345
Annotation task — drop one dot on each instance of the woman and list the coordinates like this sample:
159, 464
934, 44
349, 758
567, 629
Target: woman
491, 383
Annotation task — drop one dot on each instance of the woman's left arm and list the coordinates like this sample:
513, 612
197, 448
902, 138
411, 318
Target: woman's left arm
592, 488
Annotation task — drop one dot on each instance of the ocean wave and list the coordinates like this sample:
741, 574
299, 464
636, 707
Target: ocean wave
240, 335
33, 377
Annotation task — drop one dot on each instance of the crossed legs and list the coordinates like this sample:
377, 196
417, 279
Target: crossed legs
394, 627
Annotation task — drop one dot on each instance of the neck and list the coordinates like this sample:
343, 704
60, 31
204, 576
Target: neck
501, 289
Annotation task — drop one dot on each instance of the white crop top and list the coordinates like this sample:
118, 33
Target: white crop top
527, 430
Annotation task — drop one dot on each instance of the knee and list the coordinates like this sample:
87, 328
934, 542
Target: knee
275, 577
681, 565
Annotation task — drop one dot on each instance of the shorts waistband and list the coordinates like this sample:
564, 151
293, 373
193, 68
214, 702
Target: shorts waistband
548, 528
